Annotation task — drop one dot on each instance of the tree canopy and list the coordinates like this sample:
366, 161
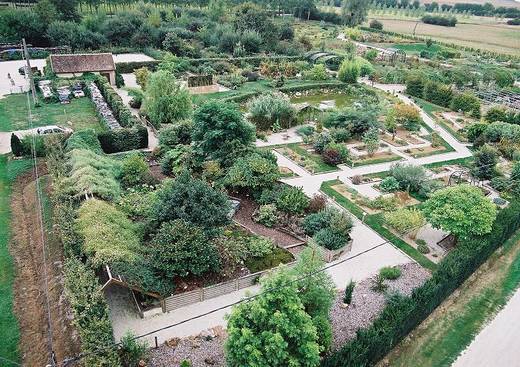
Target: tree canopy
462, 210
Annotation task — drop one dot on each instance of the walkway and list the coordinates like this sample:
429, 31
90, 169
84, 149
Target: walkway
497, 343
370, 257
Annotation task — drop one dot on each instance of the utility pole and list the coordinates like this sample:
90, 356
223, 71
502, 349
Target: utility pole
29, 71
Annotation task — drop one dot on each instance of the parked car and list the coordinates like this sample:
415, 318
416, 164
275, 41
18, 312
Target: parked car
53, 129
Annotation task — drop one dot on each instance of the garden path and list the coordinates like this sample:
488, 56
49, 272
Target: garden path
497, 344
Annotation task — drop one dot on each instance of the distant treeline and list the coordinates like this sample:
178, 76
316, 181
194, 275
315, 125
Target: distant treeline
476, 9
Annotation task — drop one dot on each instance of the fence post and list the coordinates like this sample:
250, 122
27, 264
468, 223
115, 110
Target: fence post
202, 294
163, 305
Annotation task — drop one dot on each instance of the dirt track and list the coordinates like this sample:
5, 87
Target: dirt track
29, 295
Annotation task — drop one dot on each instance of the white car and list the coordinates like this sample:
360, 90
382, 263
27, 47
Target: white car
53, 129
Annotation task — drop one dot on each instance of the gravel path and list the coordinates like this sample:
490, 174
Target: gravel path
207, 349
367, 304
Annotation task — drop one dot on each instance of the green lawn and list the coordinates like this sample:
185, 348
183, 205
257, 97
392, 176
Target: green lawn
376, 222
449, 330
9, 333
428, 107
80, 112
416, 48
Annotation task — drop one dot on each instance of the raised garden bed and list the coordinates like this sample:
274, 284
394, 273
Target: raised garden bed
304, 156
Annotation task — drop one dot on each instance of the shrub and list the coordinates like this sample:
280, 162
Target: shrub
292, 200
335, 153
267, 215
330, 239
84, 139
305, 131
389, 184
270, 108
253, 173
375, 24
260, 246
134, 171
466, 102
340, 135
172, 135
371, 55
92, 174
193, 201
422, 247
415, 86
410, 177
174, 161
438, 93
321, 142
131, 350
232, 81
349, 71
181, 249
16, 146
317, 203
390, 272
317, 72
404, 220
349, 290
378, 284
165, 101
121, 140
407, 116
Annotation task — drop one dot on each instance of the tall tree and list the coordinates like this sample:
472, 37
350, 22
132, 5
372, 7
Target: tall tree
462, 210
272, 329
165, 100
354, 12
220, 133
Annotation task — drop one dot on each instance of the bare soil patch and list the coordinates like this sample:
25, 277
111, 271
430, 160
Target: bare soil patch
26, 248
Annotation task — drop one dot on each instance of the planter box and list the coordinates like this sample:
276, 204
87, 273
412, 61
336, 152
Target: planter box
331, 255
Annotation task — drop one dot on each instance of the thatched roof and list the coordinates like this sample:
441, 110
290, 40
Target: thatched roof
81, 63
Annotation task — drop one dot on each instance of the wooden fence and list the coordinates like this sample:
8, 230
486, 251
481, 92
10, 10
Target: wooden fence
198, 295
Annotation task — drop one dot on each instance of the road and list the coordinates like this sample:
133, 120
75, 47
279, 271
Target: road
497, 344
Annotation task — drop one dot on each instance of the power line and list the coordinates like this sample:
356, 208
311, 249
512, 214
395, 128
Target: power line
42, 234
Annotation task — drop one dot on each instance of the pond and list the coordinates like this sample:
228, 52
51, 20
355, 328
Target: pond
341, 100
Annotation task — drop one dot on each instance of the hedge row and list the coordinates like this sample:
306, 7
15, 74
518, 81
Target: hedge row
402, 314
120, 140
82, 289
129, 67
121, 112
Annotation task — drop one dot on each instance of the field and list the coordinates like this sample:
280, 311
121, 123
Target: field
9, 332
495, 37
451, 328
80, 112
496, 3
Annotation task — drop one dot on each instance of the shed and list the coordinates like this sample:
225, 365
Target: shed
72, 65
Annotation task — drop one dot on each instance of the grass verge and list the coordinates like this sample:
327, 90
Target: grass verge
440, 339
80, 112
376, 221
9, 329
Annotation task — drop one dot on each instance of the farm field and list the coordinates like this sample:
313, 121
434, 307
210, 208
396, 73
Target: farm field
495, 37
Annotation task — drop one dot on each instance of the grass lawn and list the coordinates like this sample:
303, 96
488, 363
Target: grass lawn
376, 160
452, 326
416, 48
9, 333
428, 107
81, 112
375, 222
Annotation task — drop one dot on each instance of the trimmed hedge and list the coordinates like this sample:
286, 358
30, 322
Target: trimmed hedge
402, 314
129, 67
120, 140
121, 112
